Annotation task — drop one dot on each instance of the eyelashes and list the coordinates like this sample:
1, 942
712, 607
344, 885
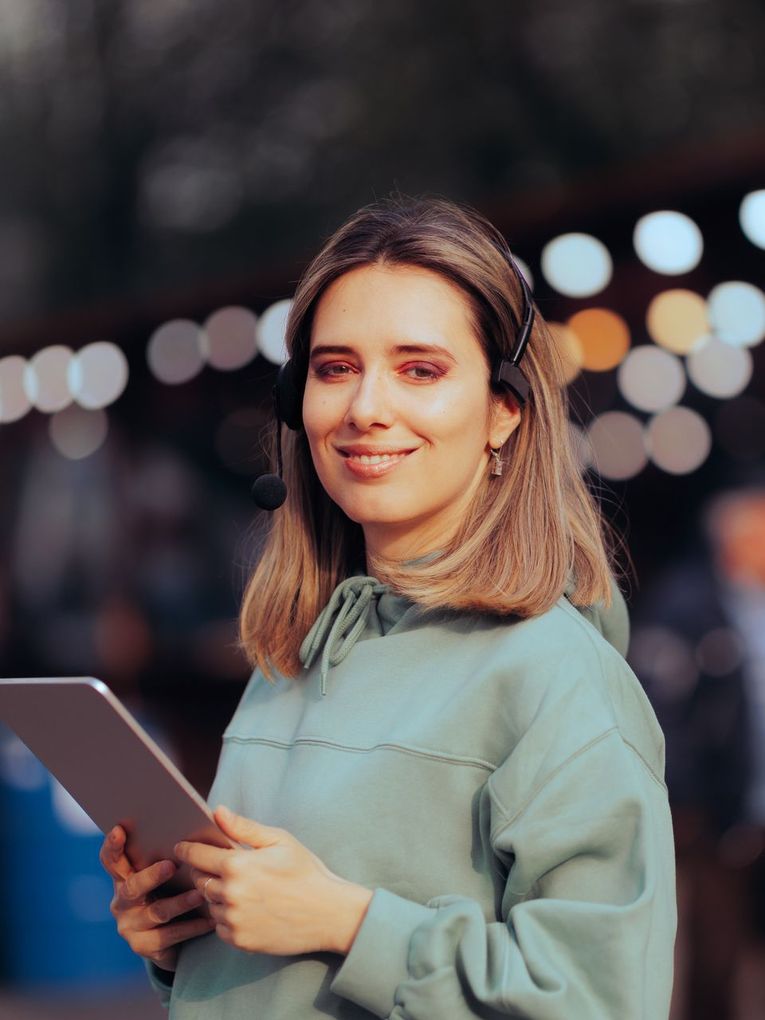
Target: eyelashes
416, 371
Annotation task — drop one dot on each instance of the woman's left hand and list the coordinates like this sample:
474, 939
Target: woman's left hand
274, 896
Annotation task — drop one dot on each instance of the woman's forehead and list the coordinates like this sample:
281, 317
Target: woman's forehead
397, 305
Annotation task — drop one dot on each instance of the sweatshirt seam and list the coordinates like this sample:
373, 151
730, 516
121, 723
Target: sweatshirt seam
509, 819
646, 764
449, 759
585, 624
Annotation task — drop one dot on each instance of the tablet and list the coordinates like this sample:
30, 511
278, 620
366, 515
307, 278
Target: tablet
114, 770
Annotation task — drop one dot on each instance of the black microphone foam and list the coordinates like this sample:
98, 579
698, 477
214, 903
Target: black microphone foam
269, 492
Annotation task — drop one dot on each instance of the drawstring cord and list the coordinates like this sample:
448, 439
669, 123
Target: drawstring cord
340, 624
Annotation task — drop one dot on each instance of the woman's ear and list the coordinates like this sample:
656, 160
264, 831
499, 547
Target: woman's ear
505, 418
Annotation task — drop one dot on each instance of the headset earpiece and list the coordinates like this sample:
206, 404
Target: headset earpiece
507, 376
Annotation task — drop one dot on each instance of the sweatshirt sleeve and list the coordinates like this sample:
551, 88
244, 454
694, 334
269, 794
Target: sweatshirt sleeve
586, 921
161, 981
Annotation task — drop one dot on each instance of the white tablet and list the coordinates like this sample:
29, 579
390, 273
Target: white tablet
110, 765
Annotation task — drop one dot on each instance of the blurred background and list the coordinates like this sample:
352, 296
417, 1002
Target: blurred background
168, 168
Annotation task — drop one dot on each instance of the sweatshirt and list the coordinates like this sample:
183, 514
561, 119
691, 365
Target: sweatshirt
498, 784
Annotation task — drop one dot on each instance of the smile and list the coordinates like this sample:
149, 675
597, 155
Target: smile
372, 465
377, 458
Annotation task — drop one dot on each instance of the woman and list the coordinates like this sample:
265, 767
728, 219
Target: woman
447, 782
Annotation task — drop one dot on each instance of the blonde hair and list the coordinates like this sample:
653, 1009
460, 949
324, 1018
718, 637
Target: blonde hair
526, 534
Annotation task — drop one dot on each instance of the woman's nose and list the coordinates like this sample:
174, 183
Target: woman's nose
370, 403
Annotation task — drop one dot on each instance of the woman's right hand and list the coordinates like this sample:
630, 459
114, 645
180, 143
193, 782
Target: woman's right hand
141, 920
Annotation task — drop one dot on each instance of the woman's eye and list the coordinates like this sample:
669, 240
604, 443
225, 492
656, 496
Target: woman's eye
333, 369
420, 371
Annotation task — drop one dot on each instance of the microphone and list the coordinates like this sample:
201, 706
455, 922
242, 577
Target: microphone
269, 492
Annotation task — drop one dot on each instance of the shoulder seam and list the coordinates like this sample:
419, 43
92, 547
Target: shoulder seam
648, 767
509, 819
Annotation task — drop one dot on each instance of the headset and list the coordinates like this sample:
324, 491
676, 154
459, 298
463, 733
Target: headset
269, 490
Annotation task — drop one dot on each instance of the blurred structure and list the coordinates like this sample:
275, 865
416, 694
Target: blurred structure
168, 169
698, 647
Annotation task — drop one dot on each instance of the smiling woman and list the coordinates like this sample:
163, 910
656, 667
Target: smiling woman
400, 420
446, 781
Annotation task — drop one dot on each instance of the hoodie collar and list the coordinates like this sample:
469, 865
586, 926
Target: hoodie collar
343, 620
362, 602
613, 623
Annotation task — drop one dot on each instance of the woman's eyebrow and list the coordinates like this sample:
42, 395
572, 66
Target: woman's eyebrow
418, 348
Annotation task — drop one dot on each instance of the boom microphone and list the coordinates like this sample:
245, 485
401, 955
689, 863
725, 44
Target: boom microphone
269, 492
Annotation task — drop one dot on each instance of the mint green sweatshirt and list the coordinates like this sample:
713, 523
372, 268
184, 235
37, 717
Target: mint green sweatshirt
497, 783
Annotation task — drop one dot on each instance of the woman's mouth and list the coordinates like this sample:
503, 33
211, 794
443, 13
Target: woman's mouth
372, 465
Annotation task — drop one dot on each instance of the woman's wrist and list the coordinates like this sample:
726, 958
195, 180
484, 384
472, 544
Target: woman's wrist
351, 902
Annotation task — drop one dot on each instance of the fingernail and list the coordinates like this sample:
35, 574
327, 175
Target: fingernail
167, 869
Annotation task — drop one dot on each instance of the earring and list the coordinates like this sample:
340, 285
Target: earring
498, 464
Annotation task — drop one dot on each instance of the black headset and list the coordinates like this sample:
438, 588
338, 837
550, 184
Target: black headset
269, 490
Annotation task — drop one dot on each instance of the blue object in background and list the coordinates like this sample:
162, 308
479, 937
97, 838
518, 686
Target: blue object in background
57, 929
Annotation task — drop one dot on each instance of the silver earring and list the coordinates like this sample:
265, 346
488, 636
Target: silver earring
498, 464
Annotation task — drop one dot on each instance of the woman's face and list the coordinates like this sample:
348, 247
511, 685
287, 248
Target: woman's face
397, 407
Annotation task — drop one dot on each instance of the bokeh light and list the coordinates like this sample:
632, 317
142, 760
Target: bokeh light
230, 338
45, 379
677, 320
666, 659
739, 428
97, 375
570, 349
719, 651
618, 445
737, 313
175, 350
19, 768
604, 337
718, 369
651, 379
271, 330
668, 242
14, 402
679, 440
577, 265
77, 433
751, 216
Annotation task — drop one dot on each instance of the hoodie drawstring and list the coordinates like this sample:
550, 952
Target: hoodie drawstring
339, 625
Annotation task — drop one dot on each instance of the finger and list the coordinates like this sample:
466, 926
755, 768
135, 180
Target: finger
155, 941
213, 890
112, 854
140, 883
209, 886
202, 857
247, 830
224, 933
164, 910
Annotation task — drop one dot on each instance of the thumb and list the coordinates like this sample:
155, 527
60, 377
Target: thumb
246, 830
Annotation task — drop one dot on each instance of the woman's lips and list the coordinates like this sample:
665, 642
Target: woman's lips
366, 465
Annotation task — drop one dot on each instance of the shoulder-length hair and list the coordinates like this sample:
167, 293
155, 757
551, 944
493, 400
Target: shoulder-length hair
527, 533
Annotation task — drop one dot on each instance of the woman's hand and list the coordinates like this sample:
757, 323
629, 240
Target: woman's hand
141, 920
274, 896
